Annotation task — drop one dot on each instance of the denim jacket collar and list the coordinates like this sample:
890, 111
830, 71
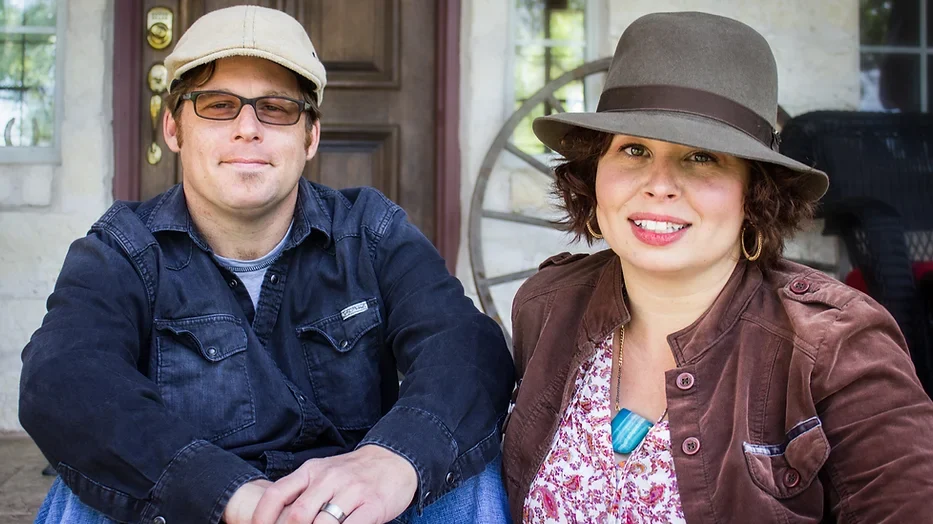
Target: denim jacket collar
171, 214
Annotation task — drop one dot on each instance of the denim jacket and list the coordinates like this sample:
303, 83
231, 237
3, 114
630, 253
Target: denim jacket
157, 390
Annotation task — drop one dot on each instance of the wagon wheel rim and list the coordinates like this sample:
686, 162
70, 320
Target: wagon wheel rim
502, 143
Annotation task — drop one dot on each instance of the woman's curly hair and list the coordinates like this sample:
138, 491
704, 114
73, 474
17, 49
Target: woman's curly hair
776, 204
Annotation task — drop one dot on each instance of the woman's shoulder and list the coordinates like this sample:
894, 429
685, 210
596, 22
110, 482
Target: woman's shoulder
803, 284
814, 301
564, 270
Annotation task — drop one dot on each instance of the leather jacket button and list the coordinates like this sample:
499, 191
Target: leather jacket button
685, 381
800, 286
232, 284
450, 478
691, 446
791, 478
274, 279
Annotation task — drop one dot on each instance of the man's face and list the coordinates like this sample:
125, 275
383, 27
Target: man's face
242, 168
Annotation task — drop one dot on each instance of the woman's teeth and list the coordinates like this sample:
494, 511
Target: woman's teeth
659, 227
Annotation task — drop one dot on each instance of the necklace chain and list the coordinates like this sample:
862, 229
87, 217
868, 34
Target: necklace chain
619, 370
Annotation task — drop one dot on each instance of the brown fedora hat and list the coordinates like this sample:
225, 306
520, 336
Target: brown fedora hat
694, 79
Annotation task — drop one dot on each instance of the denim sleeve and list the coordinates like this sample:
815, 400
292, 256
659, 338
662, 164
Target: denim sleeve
457, 367
97, 417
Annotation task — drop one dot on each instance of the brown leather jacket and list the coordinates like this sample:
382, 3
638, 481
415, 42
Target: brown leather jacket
793, 400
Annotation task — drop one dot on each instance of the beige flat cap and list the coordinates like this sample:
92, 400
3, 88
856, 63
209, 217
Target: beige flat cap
248, 30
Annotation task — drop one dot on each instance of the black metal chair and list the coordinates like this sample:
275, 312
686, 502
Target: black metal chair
880, 202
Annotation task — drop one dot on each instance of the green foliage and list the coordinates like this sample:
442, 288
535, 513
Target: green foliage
873, 20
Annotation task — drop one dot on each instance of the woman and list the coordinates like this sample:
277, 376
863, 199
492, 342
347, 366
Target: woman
690, 374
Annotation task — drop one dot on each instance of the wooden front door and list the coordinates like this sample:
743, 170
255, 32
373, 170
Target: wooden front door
379, 118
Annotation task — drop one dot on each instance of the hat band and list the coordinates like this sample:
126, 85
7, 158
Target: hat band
691, 101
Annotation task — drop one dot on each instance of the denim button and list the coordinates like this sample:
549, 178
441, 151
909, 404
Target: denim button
301, 398
274, 279
685, 381
158, 520
344, 344
691, 445
211, 351
427, 495
450, 478
232, 284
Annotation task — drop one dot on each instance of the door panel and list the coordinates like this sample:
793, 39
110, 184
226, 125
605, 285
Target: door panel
366, 57
358, 156
378, 119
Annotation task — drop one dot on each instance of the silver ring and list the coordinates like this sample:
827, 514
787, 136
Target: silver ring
334, 511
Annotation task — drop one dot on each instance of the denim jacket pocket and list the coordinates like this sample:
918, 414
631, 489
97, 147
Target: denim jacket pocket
787, 469
343, 356
202, 374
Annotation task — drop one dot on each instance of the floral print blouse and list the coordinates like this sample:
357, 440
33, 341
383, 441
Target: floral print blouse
580, 481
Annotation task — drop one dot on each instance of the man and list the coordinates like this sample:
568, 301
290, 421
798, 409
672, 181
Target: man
249, 326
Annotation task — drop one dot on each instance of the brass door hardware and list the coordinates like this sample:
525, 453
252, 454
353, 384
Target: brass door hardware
157, 79
159, 27
159, 22
154, 154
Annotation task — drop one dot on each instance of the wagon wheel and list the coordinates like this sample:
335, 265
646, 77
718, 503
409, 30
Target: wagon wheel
488, 220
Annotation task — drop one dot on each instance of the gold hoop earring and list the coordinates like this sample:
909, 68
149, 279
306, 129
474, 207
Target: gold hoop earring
760, 240
589, 228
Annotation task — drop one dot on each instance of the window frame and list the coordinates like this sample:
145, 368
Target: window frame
593, 11
922, 49
45, 154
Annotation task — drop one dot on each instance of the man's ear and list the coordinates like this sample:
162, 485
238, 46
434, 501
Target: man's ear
170, 131
315, 140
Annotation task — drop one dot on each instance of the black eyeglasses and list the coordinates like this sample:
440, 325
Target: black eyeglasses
273, 110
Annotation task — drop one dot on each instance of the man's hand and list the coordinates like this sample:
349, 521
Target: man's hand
240, 508
371, 485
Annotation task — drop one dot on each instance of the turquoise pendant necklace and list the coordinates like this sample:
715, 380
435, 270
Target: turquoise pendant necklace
628, 428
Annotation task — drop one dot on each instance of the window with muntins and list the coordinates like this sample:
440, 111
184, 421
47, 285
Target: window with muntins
30, 101
895, 51
549, 38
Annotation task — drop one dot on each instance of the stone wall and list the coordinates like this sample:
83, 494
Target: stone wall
44, 207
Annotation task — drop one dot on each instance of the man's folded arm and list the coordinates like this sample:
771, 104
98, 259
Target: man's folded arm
458, 373
97, 417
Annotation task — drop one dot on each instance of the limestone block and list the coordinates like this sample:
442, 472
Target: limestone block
531, 194
18, 320
9, 391
9, 188
811, 245
32, 248
37, 186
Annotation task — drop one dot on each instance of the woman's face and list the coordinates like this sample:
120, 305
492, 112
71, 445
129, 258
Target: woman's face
668, 208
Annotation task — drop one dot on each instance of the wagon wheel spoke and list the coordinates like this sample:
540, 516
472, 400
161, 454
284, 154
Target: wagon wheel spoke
503, 142
510, 277
518, 218
555, 103
530, 160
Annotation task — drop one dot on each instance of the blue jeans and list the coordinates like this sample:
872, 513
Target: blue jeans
479, 500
